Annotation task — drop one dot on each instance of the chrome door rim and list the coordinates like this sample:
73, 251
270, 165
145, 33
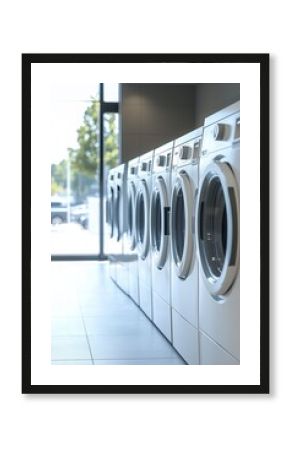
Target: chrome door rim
132, 198
220, 285
183, 264
118, 206
142, 247
159, 255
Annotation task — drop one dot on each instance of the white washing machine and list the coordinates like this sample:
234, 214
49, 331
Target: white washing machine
130, 247
110, 216
142, 216
122, 275
184, 273
160, 238
218, 238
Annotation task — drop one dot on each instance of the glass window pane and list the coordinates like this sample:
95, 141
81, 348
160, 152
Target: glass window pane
111, 160
214, 222
75, 114
111, 92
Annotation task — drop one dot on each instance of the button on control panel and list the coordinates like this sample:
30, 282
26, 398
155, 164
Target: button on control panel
184, 152
161, 160
219, 131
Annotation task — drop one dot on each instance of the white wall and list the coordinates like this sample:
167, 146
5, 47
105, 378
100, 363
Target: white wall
146, 422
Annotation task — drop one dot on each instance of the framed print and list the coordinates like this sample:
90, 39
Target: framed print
148, 269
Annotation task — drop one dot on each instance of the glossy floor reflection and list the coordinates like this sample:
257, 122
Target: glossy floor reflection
93, 322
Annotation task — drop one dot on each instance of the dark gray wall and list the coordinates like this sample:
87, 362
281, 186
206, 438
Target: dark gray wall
209, 98
153, 114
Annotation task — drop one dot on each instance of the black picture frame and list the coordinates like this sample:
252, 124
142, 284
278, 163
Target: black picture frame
263, 61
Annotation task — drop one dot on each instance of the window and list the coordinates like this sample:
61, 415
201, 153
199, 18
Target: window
80, 161
111, 92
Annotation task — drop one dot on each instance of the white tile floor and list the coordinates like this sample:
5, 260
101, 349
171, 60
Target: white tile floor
93, 322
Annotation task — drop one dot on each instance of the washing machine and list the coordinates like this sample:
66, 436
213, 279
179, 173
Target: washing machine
160, 238
110, 216
184, 264
122, 275
130, 247
217, 224
142, 223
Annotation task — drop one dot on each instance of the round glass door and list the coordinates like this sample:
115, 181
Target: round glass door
131, 221
179, 224
117, 213
111, 211
142, 220
157, 222
182, 205
159, 226
218, 227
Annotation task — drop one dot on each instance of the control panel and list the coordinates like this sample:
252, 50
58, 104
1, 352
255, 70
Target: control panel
133, 166
187, 153
145, 165
162, 160
221, 134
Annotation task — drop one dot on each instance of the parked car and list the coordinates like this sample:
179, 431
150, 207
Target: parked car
58, 213
78, 213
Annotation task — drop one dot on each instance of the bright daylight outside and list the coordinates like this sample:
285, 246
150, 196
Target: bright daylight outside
75, 163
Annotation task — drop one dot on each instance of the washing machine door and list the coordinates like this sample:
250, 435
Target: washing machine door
131, 215
218, 227
182, 207
142, 219
117, 213
110, 210
159, 222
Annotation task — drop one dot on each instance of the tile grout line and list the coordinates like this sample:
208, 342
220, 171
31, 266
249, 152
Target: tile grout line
137, 359
86, 334
70, 359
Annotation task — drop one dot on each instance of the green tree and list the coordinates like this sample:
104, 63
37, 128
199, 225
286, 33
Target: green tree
84, 160
110, 141
58, 177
